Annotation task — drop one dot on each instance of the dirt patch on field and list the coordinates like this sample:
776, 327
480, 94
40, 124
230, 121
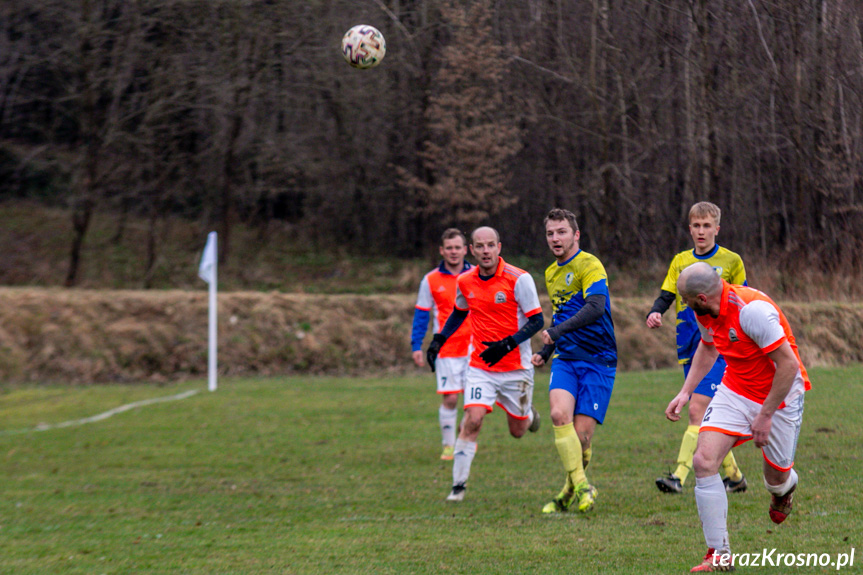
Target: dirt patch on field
82, 336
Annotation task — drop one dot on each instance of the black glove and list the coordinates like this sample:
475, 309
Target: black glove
497, 349
546, 352
434, 348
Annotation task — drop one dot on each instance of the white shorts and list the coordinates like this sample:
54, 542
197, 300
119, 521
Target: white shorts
732, 414
511, 390
450, 372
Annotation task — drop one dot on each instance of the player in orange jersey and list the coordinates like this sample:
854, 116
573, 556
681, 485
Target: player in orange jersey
761, 397
436, 298
504, 310
704, 219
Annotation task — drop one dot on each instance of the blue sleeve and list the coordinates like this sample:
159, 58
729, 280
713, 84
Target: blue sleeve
421, 324
533, 325
453, 322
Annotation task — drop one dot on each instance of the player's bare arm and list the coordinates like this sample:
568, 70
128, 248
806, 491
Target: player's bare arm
660, 306
704, 358
787, 367
418, 358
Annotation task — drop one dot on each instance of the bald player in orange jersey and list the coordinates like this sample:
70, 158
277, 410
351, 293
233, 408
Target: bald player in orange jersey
760, 399
505, 312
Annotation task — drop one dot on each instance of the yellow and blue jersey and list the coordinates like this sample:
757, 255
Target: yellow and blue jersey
727, 264
568, 285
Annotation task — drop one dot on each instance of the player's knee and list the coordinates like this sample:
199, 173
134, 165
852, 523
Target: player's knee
471, 424
560, 416
450, 400
704, 463
517, 428
585, 439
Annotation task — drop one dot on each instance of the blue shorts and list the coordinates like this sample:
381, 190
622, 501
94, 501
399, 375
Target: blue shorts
589, 383
711, 381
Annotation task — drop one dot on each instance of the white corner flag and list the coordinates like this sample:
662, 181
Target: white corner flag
207, 272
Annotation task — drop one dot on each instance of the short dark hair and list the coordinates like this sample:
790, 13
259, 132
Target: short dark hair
558, 215
451, 233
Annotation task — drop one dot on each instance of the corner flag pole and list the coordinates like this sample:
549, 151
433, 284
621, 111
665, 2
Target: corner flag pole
208, 272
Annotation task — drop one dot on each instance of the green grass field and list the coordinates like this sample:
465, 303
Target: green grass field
326, 475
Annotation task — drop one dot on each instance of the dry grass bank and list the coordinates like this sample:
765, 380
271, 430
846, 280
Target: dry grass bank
83, 336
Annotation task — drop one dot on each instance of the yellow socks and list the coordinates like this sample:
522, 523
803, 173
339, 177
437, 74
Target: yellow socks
687, 449
569, 449
585, 457
729, 466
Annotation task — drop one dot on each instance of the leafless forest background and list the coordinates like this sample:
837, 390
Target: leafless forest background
624, 111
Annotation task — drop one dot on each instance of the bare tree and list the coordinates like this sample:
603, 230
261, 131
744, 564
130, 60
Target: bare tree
472, 134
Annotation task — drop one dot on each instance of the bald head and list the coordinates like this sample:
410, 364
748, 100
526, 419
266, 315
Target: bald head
485, 247
699, 278
485, 232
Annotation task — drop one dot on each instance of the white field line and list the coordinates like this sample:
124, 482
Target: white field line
101, 416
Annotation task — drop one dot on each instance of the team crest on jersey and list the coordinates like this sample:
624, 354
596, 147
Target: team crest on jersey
718, 270
441, 289
732, 335
500, 297
569, 277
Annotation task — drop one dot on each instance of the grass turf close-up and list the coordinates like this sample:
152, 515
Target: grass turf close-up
336, 475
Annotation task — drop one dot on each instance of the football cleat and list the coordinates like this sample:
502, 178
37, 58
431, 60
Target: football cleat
713, 563
534, 427
448, 453
780, 506
671, 484
735, 486
562, 502
457, 493
586, 495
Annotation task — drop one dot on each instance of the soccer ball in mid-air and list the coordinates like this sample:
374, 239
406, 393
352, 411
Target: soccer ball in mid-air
364, 46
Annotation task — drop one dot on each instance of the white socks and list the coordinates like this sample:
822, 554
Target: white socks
464, 452
713, 511
782, 488
447, 419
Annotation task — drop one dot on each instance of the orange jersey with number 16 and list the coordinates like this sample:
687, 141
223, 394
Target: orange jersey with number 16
499, 306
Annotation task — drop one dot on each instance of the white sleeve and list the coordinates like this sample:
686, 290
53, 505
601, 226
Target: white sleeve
705, 334
460, 300
424, 297
760, 321
525, 293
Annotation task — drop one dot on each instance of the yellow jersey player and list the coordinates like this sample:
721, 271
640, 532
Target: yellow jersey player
584, 349
703, 227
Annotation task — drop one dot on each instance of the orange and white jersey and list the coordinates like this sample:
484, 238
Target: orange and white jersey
499, 306
437, 294
749, 326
